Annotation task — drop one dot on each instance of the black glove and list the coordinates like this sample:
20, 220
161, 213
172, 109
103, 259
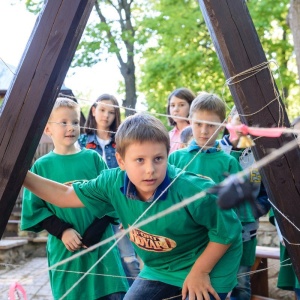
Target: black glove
233, 191
94, 232
55, 226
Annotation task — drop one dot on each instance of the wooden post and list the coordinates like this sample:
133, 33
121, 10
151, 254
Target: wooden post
239, 49
31, 96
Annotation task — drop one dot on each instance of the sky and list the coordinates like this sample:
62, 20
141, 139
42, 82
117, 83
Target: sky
87, 83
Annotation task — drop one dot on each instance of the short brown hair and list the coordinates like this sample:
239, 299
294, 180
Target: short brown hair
141, 127
209, 102
186, 134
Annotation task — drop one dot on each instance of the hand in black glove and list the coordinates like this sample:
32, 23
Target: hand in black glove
233, 191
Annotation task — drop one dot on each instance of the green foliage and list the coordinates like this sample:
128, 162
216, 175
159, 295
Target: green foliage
275, 36
181, 52
173, 48
34, 6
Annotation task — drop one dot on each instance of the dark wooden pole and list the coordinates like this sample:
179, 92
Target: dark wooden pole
31, 96
239, 49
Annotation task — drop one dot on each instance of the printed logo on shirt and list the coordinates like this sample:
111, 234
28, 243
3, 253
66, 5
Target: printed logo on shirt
151, 242
255, 176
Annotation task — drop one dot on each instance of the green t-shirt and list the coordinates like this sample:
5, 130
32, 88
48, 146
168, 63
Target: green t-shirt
170, 245
287, 279
213, 165
84, 165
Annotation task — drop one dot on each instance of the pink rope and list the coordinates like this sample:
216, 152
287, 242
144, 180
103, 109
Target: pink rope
14, 288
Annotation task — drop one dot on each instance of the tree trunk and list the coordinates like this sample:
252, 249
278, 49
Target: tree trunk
128, 72
32, 93
239, 50
294, 23
127, 68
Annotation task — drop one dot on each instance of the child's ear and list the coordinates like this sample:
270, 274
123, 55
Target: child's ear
120, 161
47, 130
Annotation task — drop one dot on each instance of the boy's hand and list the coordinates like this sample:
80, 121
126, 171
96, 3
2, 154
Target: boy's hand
71, 239
197, 286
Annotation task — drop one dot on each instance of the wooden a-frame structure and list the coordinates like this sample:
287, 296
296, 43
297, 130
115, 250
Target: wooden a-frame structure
47, 58
239, 50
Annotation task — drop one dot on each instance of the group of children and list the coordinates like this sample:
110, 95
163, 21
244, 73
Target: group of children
198, 251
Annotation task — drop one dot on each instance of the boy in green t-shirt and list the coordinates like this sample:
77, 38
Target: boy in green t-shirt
72, 229
194, 251
205, 157
261, 205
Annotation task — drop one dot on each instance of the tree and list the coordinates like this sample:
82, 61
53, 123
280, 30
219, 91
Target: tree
183, 54
165, 44
112, 32
276, 38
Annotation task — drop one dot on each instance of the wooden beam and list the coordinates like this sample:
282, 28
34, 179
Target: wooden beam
32, 94
239, 50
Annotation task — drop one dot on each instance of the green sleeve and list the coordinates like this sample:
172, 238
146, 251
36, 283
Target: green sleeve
34, 210
94, 194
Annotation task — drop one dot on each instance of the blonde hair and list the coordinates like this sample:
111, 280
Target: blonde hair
139, 128
65, 102
209, 102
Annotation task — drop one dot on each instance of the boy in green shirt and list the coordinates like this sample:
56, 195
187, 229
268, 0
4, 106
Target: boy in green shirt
261, 206
194, 251
72, 229
204, 156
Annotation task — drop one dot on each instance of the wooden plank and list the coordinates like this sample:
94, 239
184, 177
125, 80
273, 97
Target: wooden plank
259, 280
268, 252
31, 96
239, 50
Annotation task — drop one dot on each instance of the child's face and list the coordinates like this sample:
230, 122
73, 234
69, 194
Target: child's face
145, 164
205, 134
63, 127
180, 108
103, 114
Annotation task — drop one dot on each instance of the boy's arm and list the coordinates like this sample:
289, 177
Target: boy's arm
94, 232
197, 284
50, 191
55, 226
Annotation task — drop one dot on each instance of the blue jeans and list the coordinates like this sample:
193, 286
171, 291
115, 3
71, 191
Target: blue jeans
114, 296
297, 293
243, 290
130, 263
143, 289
